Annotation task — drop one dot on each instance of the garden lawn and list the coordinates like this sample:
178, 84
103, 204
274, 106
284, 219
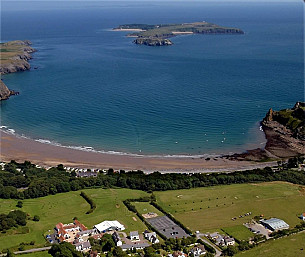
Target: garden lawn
239, 232
64, 207
212, 208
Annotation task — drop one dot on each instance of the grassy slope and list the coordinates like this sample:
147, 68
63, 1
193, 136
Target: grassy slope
9, 50
285, 247
277, 199
63, 207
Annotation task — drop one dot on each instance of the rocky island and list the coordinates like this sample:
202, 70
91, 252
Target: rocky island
14, 57
157, 35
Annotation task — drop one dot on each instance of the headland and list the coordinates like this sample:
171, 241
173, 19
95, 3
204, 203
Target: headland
14, 57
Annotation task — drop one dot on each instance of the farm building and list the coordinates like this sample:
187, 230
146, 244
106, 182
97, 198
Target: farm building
275, 224
109, 225
302, 217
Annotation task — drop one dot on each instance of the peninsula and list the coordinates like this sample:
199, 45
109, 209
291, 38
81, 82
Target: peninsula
14, 57
157, 35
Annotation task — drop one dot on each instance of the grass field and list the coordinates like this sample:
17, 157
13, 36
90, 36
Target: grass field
212, 208
285, 247
239, 232
145, 207
64, 207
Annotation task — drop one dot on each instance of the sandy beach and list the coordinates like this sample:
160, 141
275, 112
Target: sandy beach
21, 149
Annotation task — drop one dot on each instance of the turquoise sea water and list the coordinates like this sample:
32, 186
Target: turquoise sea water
204, 94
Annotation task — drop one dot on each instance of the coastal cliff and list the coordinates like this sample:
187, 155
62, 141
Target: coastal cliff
285, 134
14, 57
5, 93
153, 41
157, 35
285, 131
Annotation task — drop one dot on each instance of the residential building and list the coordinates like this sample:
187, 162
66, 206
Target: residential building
229, 241
302, 217
198, 251
83, 246
137, 246
117, 239
134, 235
151, 237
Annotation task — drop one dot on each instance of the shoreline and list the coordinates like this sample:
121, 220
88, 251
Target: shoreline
20, 149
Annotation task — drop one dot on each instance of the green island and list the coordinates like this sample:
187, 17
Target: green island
14, 57
34, 199
157, 35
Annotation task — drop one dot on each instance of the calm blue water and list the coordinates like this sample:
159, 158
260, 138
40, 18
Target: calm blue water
204, 94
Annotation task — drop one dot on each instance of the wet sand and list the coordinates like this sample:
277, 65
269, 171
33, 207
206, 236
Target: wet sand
21, 149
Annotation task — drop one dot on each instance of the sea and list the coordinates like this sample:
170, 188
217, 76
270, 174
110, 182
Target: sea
95, 90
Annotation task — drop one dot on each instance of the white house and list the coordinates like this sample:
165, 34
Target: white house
151, 237
198, 251
134, 236
302, 217
229, 241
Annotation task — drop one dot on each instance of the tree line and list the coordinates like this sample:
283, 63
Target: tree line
38, 182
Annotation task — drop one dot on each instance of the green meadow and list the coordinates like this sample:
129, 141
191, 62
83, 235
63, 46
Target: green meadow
64, 207
291, 246
212, 208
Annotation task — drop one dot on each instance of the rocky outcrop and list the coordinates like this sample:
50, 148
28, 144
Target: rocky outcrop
152, 41
285, 131
4, 91
15, 56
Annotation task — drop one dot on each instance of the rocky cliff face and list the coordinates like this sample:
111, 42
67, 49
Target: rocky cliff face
15, 56
153, 41
4, 91
285, 131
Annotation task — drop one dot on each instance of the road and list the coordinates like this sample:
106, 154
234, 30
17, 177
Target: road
31, 250
200, 236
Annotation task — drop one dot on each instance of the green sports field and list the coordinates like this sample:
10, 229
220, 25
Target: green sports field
292, 246
146, 207
212, 208
64, 207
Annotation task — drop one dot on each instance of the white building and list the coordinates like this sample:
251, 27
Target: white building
109, 225
302, 217
229, 241
198, 251
151, 237
134, 236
